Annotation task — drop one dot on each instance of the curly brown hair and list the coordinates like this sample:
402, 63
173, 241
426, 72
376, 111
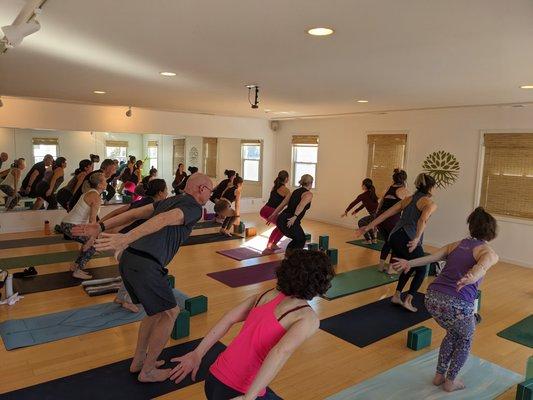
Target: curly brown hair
482, 225
305, 274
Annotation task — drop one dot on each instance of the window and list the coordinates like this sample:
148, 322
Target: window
210, 157
304, 157
251, 160
44, 146
385, 153
116, 150
507, 179
178, 153
151, 155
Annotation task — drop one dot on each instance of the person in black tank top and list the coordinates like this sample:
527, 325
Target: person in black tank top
289, 220
232, 194
278, 193
395, 193
219, 189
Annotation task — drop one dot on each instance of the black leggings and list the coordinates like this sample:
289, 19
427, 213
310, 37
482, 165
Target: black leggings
216, 390
398, 242
383, 234
295, 232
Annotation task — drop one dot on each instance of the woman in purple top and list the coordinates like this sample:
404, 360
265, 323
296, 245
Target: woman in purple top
450, 298
369, 200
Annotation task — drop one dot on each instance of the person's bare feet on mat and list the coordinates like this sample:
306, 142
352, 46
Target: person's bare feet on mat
137, 366
408, 303
439, 379
451, 386
155, 375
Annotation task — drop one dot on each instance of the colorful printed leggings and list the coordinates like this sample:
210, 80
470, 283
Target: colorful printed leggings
457, 317
85, 255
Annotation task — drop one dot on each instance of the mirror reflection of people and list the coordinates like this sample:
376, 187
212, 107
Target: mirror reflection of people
10, 184
35, 175
46, 189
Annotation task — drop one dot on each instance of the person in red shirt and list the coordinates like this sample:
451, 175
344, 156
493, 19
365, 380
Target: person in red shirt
369, 200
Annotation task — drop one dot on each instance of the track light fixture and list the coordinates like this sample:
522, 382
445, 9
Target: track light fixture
255, 89
129, 113
14, 34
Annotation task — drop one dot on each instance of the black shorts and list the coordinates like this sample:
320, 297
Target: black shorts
146, 281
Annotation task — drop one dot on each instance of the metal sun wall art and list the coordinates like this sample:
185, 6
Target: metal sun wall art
442, 166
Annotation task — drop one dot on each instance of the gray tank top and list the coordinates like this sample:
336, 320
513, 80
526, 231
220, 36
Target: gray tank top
410, 216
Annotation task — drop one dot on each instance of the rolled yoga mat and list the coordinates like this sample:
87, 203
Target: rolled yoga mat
375, 321
30, 242
31, 331
45, 259
521, 332
357, 280
59, 280
243, 276
114, 381
413, 380
209, 238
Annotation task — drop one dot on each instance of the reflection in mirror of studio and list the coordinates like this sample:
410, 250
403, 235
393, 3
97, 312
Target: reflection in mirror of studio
48, 169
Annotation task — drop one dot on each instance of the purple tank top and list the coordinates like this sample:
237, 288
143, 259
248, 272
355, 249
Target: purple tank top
458, 264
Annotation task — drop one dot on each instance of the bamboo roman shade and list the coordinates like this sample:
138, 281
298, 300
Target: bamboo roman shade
507, 182
152, 143
116, 143
385, 153
210, 156
178, 156
305, 139
45, 141
251, 142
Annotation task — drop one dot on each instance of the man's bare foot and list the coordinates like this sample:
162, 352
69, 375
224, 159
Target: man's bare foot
408, 303
451, 386
397, 298
137, 366
81, 274
439, 379
130, 306
155, 375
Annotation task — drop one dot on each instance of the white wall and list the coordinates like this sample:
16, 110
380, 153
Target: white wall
343, 157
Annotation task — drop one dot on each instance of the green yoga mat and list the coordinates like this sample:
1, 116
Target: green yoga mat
358, 280
521, 332
43, 259
374, 246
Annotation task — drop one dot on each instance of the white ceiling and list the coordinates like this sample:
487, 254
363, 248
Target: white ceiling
398, 54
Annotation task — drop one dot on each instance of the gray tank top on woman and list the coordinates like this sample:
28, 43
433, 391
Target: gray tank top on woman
409, 217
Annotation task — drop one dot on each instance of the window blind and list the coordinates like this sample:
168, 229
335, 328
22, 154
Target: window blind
385, 153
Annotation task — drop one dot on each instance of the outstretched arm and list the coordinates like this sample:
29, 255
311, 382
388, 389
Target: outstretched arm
421, 224
440, 254
116, 212
279, 208
395, 209
305, 200
485, 258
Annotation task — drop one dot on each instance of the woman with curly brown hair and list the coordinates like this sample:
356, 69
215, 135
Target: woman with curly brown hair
276, 323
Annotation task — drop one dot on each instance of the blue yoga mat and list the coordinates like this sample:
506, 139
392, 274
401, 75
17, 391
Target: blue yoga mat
412, 380
31, 331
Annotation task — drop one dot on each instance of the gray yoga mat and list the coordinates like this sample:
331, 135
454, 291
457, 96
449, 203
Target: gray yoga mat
35, 241
44, 259
412, 380
31, 331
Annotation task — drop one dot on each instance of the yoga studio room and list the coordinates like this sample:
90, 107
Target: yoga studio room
266, 199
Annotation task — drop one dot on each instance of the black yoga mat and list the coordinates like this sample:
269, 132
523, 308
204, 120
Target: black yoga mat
375, 321
59, 280
46, 258
114, 381
207, 224
209, 238
29, 242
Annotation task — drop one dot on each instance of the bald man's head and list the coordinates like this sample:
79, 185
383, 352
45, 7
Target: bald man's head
3, 156
200, 187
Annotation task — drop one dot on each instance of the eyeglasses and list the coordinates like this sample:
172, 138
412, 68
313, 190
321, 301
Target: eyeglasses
205, 187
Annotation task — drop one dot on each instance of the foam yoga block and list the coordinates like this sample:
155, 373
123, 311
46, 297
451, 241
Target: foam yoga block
307, 237
529, 368
312, 246
239, 228
196, 305
182, 326
418, 338
323, 242
171, 281
249, 232
333, 255
524, 390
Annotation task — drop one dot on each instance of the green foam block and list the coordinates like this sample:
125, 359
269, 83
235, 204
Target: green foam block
307, 237
418, 338
529, 368
182, 326
524, 390
171, 281
323, 242
239, 228
333, 255
312, 246
196, 305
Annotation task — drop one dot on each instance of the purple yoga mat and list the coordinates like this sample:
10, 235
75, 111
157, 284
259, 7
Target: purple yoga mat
245, 253
247, 275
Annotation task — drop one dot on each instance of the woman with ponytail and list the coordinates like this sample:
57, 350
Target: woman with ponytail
369, 200
407, 235
223, 185
278, 193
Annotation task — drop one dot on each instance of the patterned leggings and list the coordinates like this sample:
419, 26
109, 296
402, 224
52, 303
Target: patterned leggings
85, 255
457, 317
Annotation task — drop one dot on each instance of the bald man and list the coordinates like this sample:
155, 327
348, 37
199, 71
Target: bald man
3, 158
143, 255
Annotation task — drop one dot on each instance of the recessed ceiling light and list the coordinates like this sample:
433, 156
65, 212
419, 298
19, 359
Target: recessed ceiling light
526, 87
362, 101
267, 110
98, 92
166, 73
320, 31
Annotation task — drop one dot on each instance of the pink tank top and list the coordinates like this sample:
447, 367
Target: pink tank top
238, 365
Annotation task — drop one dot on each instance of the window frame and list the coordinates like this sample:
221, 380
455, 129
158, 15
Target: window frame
43, 140
150, 145
294, 180
260, 163
117, 144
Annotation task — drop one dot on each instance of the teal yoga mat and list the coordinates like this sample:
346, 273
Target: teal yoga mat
412, 380
31, 331
521, 332
44, 259
374, 246
357, 280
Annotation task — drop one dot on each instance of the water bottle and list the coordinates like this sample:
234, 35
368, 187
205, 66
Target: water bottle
9, 286
47, 228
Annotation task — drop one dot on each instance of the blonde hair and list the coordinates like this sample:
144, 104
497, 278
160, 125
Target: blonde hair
305, 180
424, 183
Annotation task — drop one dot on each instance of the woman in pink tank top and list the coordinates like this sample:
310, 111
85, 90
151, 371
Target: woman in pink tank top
276, 323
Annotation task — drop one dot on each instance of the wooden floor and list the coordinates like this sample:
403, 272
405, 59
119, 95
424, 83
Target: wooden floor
324, 365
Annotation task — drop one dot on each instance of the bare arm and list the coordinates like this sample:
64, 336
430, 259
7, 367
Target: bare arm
16, 178
485, 258
93, 200
116, 212
79, 180
298, 333
130, 216
237, 207
57, 173
33, 176
440, 254
280, 208
305, 200
395, 209
422, 221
